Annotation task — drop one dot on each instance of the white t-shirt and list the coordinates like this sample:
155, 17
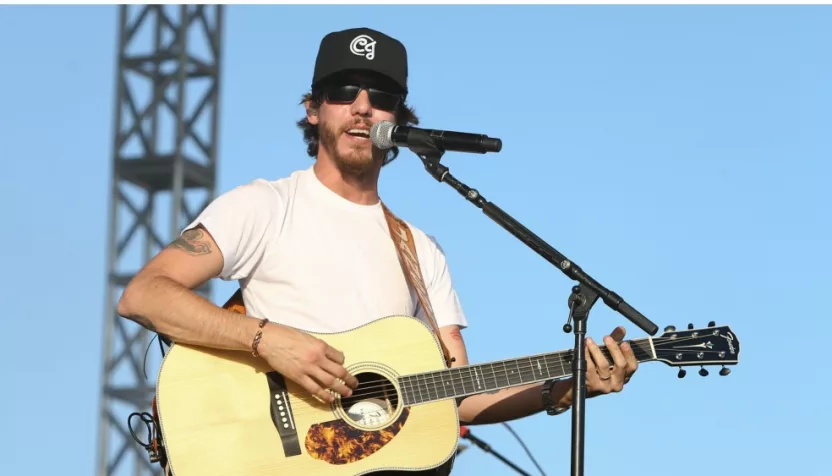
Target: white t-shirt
308, 258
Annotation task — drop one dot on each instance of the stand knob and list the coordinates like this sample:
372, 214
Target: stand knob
725, 371
703, 372
682, 373
573, 303
670, 328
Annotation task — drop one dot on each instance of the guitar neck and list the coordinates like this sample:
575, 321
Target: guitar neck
481, 378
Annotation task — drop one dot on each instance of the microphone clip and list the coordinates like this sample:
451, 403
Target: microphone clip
431, 157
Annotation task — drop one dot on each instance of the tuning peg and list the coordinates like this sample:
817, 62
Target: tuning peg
703, 372
690, 326
682, 373
725, 371
670, 328
711, 324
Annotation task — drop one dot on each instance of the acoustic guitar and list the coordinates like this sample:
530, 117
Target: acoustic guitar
228, 413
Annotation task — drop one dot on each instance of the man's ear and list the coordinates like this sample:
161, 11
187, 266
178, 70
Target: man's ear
311, 113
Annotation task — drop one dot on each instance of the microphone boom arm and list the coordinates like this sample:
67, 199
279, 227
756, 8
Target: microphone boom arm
431, 157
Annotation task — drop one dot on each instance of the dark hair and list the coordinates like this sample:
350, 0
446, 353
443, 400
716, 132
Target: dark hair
405, 116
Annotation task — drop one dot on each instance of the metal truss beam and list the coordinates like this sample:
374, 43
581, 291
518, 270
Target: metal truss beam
164, 166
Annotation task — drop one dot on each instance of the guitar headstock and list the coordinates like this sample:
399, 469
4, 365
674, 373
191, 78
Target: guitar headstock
711, 345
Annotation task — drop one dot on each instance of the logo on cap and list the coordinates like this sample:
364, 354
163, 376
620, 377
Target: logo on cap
363, 45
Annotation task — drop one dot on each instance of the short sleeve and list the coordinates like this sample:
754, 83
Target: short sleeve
242, 222
443, 296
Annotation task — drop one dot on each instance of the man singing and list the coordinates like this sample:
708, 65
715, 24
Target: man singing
313, 250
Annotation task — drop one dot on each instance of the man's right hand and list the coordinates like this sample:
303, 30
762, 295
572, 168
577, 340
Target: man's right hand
306, 360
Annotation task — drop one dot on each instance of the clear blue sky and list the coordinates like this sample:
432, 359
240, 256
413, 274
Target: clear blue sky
678, 154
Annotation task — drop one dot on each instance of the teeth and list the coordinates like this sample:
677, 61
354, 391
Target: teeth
363, 132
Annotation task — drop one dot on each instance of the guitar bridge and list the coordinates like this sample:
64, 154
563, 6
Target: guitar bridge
281, 411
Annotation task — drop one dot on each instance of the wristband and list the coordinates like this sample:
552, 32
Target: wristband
546, 392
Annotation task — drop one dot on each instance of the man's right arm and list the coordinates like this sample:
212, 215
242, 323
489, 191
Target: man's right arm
161, 299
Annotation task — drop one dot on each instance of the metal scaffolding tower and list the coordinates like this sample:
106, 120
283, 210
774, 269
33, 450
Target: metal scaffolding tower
164, 173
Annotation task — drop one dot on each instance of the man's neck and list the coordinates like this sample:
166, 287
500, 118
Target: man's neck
357, 188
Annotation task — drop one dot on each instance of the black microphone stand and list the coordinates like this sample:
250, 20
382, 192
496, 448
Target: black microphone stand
583, 297
487, 448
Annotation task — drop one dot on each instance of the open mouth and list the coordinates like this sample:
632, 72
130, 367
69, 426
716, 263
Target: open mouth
359, 134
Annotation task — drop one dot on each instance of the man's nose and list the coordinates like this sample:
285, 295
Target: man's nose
362, 105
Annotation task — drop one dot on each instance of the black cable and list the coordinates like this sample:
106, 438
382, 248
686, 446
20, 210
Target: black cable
162, 342
147, 419
151, 446
526, 449
144, 364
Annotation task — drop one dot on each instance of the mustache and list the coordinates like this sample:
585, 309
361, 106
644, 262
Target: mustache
357, 123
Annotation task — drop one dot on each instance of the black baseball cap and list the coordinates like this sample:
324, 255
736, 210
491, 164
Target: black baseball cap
361, 49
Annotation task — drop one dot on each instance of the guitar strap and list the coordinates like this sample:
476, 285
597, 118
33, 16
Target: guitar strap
406, 249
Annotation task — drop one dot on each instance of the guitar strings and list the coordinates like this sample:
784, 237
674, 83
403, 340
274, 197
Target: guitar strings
381, 388
558, 359
373, 388
367, 387
378, 391
376, 388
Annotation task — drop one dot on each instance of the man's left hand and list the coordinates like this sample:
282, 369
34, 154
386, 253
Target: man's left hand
600, 377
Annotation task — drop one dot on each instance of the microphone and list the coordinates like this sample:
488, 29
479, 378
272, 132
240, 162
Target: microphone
385, 135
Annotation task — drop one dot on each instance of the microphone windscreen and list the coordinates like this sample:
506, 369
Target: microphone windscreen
381, 134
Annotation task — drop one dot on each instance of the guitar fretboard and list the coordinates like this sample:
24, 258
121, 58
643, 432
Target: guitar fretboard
481, 378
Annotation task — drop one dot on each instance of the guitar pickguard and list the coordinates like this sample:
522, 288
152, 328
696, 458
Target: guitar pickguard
337, 442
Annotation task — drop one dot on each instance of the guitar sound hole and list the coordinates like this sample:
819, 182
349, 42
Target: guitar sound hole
373, 404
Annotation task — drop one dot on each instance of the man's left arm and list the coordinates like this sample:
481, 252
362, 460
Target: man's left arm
525, 400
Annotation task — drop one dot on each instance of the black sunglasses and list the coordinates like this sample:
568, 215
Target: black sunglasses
346, 94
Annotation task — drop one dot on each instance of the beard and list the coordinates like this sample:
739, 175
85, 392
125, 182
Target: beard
355, 161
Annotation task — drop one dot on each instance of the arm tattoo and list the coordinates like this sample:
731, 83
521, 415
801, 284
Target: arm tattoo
192, 242
455, 334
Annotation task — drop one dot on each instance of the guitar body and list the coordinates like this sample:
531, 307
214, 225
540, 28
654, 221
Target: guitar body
228, 413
